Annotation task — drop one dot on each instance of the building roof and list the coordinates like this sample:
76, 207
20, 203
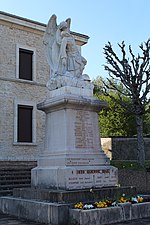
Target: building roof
35, 25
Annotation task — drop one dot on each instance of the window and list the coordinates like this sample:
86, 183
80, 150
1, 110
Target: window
24, 123
25, 64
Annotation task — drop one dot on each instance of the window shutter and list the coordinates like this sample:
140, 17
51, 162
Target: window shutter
25, 123
25, 64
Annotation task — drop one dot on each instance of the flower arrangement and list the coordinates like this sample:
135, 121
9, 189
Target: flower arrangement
109, 203
79, 205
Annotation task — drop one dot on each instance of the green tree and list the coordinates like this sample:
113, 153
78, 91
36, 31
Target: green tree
134, 74
114, 120
146, 124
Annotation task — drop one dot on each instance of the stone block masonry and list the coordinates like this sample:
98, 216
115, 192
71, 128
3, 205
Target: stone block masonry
122, 212
73, 196
60, 214
43, 212
52, 206
17, 32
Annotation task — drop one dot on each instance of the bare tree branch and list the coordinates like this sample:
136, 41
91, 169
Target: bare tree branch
133, 74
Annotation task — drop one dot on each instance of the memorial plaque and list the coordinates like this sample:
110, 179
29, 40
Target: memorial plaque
83, 130
91, 178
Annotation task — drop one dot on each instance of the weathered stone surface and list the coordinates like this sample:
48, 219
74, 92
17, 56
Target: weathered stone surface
64, 81
73, 158
71, 90
63, 55
126, 148
96, 216
126, 210
74, 196
13, 33
63, 214
139, 179
123, 212
49, 213
140, 210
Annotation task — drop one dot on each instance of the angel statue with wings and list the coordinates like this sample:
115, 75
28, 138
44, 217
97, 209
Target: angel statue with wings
61, 50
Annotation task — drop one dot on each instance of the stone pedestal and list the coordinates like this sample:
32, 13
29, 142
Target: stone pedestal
72, 158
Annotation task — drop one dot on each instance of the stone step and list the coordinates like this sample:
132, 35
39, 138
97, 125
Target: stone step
15, 168
5, 192
73, 196
15, 174
8, 189
18, 163
12, 186
21, 169
16, 181
12, 176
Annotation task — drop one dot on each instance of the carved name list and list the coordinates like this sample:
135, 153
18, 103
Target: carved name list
83, 130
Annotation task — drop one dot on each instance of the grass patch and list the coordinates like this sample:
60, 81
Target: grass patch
130, 165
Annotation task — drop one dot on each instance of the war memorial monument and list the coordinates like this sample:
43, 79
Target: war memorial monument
72, 158
72, 166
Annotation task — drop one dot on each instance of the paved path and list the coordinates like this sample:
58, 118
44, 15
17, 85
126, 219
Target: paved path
10, 220
145, 221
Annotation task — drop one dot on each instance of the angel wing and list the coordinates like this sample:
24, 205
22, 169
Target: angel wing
68, 23
49, 39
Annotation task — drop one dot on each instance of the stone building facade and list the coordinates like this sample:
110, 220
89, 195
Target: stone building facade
22, 126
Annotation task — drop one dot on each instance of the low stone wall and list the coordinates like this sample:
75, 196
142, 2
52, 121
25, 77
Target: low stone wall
122, 148
42, 212
120, 213
63, 214
138, 179
52, 207
126, 148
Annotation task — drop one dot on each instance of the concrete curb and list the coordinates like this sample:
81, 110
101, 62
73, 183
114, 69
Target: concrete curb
43, 212
62, 214
120, 213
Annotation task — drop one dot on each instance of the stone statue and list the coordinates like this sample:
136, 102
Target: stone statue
63, 55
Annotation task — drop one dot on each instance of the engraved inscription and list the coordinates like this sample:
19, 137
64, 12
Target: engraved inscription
79, 161
101, 177
83, 130
105, 171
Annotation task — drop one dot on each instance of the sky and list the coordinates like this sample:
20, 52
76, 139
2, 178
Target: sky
101, 20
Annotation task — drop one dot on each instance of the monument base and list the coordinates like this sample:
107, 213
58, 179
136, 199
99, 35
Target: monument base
73, 196
74, 177
53, 206
72, 156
